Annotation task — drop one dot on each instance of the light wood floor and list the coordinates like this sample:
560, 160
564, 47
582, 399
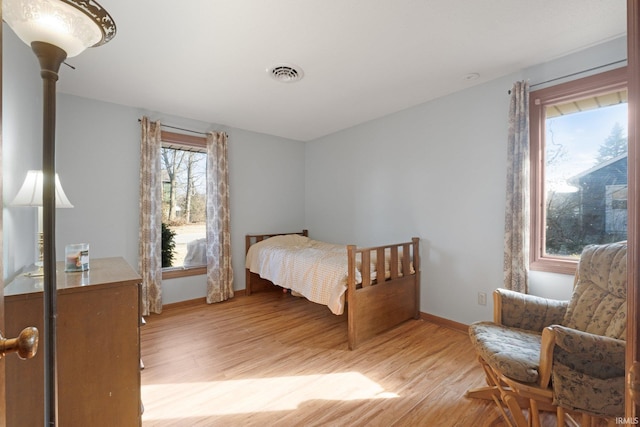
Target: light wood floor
275, 360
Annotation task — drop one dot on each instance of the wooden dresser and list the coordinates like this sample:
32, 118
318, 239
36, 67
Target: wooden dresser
98, 347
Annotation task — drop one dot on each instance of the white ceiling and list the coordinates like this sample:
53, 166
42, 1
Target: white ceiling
362, 59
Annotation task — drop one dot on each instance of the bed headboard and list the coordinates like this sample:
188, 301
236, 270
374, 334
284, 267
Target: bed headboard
250, 239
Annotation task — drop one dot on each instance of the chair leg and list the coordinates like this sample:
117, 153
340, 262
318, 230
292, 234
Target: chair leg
515, 409
570, 421
560, 416
587, 420
504, 414
534, 415
501, 394
486, 392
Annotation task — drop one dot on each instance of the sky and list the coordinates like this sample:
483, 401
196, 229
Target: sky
581, 134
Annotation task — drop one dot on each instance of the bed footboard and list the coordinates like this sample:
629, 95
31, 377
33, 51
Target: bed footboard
388, 299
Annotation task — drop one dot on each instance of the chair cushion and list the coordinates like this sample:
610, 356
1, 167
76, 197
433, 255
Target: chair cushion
512, 351
599, 301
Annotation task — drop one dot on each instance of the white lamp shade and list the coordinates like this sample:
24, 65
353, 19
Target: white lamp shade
30, 193
57, 22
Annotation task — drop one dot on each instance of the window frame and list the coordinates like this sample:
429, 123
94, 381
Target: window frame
182, 141
607, 81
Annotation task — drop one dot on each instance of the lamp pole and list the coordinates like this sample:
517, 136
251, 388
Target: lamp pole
50, 58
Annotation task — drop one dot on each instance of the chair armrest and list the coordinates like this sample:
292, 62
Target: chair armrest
530, 312
594, 355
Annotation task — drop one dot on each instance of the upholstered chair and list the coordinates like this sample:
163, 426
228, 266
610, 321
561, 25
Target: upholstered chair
561, 356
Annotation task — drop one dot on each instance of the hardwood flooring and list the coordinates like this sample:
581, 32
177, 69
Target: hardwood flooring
271, 359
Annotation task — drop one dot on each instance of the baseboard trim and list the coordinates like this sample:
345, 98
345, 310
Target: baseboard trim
186, 303
197, 301
441, 321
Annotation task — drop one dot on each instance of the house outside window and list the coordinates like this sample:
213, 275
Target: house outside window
578, 168
183, 163
616, 210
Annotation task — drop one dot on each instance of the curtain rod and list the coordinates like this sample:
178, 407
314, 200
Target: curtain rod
575, 74
183, 129
580, 72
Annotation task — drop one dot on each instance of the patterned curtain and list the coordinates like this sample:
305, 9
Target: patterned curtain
219, 271
150, 249
516, 233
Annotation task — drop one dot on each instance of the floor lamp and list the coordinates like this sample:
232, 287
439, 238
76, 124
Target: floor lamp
55, 30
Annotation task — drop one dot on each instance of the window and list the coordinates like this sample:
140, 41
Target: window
578, 168
183, 163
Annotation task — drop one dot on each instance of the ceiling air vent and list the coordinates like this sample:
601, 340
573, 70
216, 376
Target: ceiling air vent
285, 73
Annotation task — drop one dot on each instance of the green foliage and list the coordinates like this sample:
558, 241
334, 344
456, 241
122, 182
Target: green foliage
168, 246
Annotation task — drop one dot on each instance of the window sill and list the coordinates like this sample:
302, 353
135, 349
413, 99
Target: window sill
555, 265
175, 272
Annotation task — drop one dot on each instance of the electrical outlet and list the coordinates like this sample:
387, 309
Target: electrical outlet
482, 298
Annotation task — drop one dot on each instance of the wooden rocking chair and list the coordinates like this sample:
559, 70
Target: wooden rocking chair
561, 356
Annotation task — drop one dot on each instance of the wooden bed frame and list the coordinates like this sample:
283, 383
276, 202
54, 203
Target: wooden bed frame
373, 306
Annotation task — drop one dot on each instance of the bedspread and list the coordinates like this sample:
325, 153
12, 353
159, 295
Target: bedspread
317, 270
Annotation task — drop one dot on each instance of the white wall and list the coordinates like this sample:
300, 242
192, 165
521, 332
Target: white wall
21, 148
98, 158
436, 171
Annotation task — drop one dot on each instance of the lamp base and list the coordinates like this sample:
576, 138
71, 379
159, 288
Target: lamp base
38, 272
